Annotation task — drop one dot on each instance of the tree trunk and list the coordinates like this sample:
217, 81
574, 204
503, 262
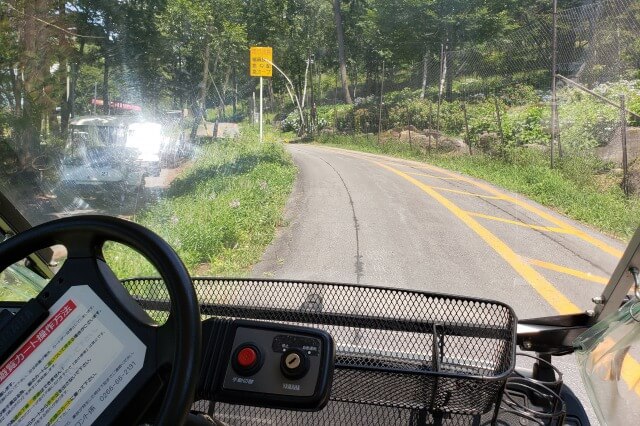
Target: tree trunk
33, 68
337, 14
271, 97
205, 74
425, 69
16, 86
105, 85
235, 93
201, 104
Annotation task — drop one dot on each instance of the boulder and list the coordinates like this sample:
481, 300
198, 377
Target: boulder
448, 144
634, 177
488, 143
612, 151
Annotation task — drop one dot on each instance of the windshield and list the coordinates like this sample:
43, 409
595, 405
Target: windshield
478, 147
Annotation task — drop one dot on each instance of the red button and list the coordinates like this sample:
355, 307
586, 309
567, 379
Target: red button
247, 357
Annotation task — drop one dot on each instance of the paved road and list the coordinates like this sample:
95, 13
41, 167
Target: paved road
363, 218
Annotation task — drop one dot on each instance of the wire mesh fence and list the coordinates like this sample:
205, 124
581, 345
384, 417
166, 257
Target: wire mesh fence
493, 97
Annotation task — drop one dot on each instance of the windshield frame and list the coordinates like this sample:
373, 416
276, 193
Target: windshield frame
13, 222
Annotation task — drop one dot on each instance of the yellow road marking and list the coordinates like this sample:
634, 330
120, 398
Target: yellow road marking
555, 298
472, 194
564, 270
521, 203
631, 373
434, 176
526, 225
630, 367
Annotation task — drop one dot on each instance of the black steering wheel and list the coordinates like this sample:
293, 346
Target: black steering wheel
174, 345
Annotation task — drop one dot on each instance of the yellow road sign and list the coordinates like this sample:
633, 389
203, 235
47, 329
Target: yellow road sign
258, 65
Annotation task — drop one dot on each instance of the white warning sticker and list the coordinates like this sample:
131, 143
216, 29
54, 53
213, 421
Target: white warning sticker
72, 367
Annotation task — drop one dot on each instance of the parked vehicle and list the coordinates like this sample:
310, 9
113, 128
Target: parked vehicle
107, 151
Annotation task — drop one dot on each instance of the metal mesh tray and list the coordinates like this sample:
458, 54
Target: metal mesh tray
394, 348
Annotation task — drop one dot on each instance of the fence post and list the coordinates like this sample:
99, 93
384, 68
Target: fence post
381, 103
409, 127
499, 120
335, 106
430, 125
554, 97
466, 127
623, 139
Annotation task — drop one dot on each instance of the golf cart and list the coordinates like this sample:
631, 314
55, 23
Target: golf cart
111, 151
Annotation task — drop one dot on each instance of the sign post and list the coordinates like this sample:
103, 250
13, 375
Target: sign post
261, 59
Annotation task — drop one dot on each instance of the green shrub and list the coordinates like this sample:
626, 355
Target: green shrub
584, 121
519, 94
634, 106
527, 125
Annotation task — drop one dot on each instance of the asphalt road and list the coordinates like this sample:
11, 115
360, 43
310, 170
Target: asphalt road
363, 218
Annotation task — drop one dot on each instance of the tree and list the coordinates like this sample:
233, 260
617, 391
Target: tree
28, 58
337, 13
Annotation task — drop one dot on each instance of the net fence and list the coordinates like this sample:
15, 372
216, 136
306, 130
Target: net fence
498, 95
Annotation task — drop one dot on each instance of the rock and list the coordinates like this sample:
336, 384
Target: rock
414, 138
488, 143
448, 144
634, 177
432, 132
613, 150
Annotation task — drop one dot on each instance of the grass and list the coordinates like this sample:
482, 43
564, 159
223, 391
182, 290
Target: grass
221, 212
575, 188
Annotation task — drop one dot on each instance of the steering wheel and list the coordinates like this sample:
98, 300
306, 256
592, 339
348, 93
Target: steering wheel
174, 344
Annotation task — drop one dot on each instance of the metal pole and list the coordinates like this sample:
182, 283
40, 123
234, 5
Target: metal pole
466, 127
95, 96
260, 109
592, 93
554, 106
335, 105
380, 111
499, 120
440, 83
623, 138
409, 127
430, 124
253, 108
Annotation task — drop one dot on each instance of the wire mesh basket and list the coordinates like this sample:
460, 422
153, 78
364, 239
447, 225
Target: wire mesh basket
405, 350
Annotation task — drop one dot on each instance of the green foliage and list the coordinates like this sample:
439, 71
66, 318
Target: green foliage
634, 105
519, 94
585, 122
527, 125
236, 192
291, 122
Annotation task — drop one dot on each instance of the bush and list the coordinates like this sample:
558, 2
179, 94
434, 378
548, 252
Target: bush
519, 94
585, 122
634, 106
527, 125
291, 123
